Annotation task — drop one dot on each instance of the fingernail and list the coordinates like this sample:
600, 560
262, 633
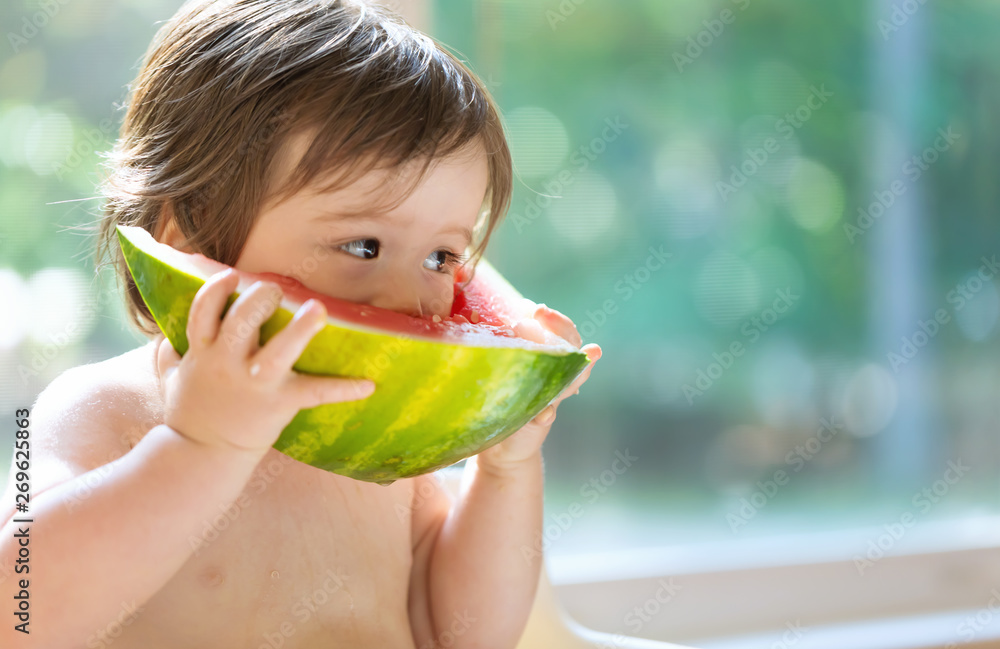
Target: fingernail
365, 388
546, 416
314, 309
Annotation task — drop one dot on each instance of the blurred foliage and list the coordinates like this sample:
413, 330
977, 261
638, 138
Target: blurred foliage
624, 117
698, 88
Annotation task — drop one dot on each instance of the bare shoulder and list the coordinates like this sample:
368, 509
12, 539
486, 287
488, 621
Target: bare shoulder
91, 415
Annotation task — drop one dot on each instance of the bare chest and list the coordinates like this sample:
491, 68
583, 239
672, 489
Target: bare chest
301, 558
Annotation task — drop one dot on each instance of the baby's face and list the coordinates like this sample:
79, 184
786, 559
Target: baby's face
403, 258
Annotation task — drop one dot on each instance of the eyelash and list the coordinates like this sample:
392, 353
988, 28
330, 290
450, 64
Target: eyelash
451, 260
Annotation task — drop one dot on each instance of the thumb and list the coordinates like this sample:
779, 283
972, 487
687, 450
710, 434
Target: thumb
547, 415
311, 391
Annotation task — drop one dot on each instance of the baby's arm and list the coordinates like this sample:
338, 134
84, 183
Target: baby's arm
226, 402
104, 535
477, 564
484, 568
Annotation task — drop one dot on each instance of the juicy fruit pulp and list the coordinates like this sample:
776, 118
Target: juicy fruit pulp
446, 388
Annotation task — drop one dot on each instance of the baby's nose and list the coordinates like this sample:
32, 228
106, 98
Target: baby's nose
406, 299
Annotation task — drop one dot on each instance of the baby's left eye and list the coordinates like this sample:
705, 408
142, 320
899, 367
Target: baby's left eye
442, 260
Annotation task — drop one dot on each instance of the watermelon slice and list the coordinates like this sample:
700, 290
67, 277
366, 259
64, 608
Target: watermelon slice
446, 388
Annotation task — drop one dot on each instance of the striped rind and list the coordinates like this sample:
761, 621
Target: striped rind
435, 403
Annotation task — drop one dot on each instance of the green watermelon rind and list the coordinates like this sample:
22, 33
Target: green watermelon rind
435, 402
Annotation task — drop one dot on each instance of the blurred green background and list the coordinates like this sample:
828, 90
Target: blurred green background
776, 218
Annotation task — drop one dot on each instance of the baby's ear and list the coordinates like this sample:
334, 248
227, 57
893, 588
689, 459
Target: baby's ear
167, 231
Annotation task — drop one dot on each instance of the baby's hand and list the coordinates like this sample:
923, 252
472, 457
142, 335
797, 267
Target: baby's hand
230, 391
525, 443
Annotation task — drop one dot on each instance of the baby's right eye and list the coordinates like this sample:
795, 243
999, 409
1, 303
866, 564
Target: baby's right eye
364, 248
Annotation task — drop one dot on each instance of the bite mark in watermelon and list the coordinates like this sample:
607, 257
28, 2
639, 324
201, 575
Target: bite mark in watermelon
446, 388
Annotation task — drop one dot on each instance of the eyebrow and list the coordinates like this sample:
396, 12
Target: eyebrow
349, 214
465, 232
369, 215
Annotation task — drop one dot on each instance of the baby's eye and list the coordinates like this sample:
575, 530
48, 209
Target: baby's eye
364, 248
442, 260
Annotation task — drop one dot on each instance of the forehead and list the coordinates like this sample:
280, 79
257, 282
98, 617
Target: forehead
368, 179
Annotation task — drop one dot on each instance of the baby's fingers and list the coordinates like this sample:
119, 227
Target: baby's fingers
311, 391
241, 327
206, 308
279, 353
593, 352
558, 324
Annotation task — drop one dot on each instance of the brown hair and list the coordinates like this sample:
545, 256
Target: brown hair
225, 84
